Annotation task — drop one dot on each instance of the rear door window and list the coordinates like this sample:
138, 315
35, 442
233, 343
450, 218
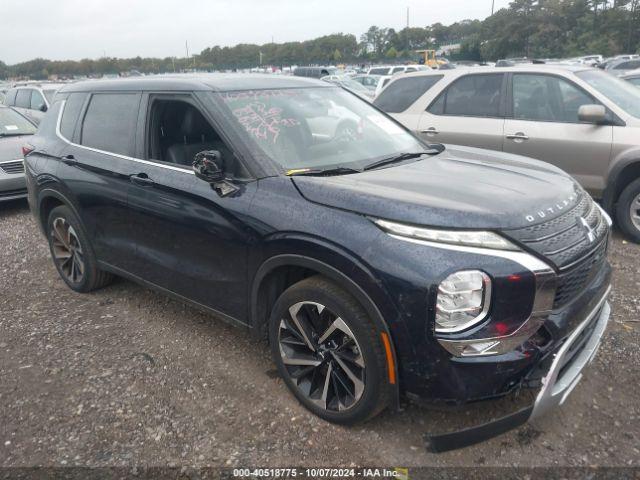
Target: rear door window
402, 93
23, 98
72, 108
471, 96
110, 122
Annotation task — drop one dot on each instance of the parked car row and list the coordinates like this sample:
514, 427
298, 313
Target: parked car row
580, 119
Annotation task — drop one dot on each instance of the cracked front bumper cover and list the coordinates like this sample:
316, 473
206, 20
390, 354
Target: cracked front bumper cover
563, 375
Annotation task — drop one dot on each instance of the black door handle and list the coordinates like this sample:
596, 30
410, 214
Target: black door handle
69, 160
141, 179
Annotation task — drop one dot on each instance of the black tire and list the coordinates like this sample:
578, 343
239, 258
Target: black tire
627, 199
90, 277
373, 398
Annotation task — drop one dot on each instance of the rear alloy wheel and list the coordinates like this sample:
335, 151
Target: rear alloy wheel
328, 352
72, 253
67, 251
628, 211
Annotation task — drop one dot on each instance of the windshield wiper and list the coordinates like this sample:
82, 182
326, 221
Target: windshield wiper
404, 156
12, 134
317, 172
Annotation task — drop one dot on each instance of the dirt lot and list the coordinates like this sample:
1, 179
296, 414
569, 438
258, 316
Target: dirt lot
125, 376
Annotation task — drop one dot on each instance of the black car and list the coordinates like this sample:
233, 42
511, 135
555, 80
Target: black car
376, 265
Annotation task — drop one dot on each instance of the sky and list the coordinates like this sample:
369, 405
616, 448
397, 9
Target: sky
75, 29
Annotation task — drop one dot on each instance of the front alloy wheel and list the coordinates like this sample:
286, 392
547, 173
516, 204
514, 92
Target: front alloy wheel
322, 356
329, 352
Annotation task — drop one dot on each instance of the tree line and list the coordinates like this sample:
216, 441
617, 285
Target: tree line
531, 28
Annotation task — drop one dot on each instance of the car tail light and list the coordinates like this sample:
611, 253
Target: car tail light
27, 149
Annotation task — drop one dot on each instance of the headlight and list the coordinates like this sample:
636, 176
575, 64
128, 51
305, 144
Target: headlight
470, 238
463, 300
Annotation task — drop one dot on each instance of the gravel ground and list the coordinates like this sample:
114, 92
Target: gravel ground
125, 376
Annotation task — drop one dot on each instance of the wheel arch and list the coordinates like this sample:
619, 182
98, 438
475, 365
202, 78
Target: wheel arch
48, 199
305, 266
620, 176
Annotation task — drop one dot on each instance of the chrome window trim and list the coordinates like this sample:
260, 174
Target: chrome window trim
116, 155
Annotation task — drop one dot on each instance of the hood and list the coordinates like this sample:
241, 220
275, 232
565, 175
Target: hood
11, 147
459, 188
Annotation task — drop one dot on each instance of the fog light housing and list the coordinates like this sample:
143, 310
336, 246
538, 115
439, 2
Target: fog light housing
463, 300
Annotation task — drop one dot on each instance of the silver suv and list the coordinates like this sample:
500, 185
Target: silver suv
582, 120
32, 100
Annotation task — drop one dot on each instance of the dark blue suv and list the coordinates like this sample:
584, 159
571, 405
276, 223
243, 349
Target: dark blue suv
377, 265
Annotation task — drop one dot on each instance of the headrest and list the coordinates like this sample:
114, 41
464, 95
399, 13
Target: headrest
194, 124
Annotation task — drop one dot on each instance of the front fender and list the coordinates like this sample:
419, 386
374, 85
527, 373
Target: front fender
334, 263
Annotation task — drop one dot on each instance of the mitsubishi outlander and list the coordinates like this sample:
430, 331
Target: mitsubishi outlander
377, 265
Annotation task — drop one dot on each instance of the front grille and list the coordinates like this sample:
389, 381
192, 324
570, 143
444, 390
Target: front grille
565, 242
12, 167
572, 281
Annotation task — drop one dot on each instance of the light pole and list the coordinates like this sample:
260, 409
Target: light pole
493, 4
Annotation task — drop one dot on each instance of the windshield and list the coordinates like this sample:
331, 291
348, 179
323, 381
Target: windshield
12, 123
316, 128
620, 92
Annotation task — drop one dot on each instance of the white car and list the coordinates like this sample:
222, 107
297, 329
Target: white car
383, 81
367, 81
395, 69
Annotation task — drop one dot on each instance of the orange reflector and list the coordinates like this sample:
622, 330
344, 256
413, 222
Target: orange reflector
391, 367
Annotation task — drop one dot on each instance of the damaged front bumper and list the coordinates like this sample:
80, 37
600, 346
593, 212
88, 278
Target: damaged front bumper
564, 373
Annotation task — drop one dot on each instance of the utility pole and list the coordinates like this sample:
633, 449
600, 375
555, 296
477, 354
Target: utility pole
406, 32
493, 5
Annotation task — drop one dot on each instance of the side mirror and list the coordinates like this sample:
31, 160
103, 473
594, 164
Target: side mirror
207, 166
592, 114
43, 108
